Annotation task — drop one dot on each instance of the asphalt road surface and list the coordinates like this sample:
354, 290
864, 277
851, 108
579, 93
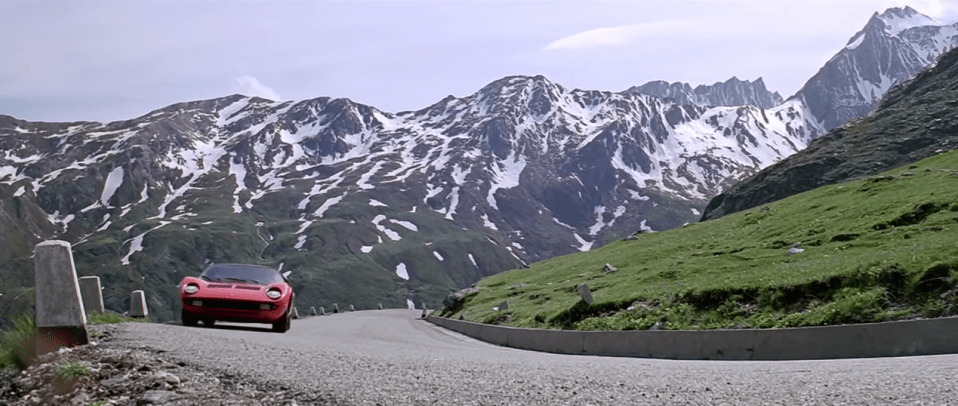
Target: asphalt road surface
390, 357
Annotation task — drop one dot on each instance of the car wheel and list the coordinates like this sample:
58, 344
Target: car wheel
282, 325
208, 322
188, 320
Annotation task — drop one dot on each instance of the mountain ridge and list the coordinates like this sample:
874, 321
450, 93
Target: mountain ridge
733, 92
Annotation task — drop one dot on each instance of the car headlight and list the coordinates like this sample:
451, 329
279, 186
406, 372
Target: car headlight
274, 294
191, 289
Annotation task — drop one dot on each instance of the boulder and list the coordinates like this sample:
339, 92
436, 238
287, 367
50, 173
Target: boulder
585, 293
454, 302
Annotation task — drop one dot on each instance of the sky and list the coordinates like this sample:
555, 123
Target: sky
116, 60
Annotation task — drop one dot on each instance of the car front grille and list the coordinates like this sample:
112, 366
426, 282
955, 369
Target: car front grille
231, 304
231, 286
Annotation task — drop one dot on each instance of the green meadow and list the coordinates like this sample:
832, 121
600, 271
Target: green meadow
879, 248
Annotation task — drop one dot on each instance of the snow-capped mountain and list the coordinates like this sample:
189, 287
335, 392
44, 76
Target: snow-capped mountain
733, 92
522, 170
912, 122
891, 48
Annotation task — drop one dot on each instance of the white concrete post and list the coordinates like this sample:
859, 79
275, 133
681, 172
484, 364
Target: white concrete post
91, 294
380, 306
322, 310
351, 308
312, 310
335, 308
61, 320
138, 304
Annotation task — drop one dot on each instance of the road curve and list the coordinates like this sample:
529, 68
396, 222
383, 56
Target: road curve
389, 357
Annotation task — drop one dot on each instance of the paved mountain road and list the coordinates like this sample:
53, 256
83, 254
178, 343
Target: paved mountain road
390, 357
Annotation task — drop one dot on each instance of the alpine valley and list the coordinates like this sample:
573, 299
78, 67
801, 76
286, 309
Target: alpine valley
365, 206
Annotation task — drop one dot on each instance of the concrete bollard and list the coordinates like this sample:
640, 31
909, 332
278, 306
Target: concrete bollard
312, 310
61, 320
138, 304
295, 313
380, 306
425, 312
351, 308
322, 310
585, 294
335, 308
91, 294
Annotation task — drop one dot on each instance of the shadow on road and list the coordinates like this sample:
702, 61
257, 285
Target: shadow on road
239, 327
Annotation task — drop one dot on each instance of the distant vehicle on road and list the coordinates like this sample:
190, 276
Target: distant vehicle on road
238, 293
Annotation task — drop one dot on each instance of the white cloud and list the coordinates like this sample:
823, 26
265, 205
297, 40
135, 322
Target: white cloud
250, 86
944, 10
623, 34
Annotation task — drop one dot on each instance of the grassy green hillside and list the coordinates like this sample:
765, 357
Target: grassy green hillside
879, 248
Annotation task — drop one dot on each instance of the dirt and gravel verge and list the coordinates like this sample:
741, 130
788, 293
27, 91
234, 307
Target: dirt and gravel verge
113, 373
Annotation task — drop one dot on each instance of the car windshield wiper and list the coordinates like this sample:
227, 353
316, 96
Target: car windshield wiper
230, 278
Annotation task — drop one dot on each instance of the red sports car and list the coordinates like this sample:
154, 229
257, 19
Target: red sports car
238, 293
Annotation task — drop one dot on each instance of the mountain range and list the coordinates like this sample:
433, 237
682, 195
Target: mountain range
366, 206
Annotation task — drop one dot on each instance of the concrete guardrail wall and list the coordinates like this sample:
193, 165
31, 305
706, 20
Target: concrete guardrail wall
897, 338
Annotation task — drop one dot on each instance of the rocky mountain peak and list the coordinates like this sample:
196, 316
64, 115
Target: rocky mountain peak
898, 19
533, 94
892, 47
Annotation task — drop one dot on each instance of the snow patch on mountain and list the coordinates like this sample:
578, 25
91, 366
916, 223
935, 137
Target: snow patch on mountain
583, 244
383, 229
238, 171
599, 223
402, 272
453, 203
113, 181
505, 175
488, 224
327, 204
406, 224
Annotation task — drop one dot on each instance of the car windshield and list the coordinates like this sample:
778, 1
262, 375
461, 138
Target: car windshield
241, 273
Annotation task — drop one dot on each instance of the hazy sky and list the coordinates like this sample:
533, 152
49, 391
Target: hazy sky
103, 61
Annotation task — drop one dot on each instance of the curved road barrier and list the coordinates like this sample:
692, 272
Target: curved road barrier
888, 339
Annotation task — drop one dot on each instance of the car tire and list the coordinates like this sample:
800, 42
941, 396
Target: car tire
188, 320
282, 325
